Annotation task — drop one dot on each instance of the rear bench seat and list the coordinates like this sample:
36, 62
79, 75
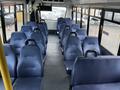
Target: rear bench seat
96, 74
12, 64
29, 69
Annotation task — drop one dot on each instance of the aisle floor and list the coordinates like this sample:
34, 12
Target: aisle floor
55, 77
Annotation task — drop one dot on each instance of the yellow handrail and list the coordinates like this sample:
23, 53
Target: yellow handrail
4, 70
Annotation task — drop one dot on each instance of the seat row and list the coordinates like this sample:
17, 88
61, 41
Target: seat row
97, 73
74, 42
74, 48
25, 54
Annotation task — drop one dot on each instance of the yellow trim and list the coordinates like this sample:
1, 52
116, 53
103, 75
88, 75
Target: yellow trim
4, 69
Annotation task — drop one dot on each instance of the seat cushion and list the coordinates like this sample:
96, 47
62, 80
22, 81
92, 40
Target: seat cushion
2, 84
30, 83
68, 66
110, 86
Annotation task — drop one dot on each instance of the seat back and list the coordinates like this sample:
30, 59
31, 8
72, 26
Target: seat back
30, 63
17, 41
32, 24
38, 37
65, 32
75, 27
43, 27
43, 23
10, 59
91, 47
73, 47
82, 34
27, 30
68, 21
59, 21
96, 70
44, 30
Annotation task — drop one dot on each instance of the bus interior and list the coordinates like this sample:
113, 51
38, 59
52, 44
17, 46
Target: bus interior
59, 45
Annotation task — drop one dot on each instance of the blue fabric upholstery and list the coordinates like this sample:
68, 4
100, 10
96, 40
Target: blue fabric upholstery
32, 24
59, 21
30, 68
96, 74
11, 62
91, 47
43, 26
27, 30
108, 86
75, 27
30, 63
29, 83
44, 30
10, 59
82, 34
62, 27
38, 37
65, 35
17, 41
72, 50
68, 21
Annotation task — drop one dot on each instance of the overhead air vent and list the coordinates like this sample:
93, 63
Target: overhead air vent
53, 1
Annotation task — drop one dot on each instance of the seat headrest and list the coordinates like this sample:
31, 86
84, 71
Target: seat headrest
91, 46
73, 34
26, 29
73, 45
30, 42
36, 30
82, 34
18, 36
96, 70
18, 41
67, 27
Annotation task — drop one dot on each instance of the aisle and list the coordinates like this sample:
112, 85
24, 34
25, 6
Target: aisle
55, 77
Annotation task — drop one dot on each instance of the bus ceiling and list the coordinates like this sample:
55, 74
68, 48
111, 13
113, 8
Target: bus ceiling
79, 3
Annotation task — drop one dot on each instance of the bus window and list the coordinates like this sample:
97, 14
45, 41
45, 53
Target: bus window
98, 13
74, 17
74, 14
0, 26
108, 15
85, 18
1, 29
111, 37
54, 14
6, 9
78, 15
92, 12
94, 26
19, 14
117, 17
9, 21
